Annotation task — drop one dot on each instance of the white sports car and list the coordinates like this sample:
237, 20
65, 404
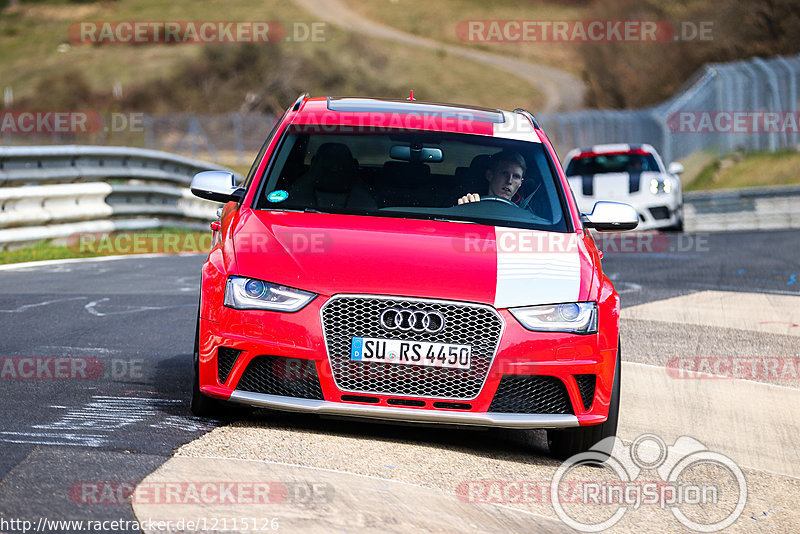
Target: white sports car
633, 174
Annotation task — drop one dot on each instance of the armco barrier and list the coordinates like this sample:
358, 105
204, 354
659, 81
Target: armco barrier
755, 208
53, 191
71, 189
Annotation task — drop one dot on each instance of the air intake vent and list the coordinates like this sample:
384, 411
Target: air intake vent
226, 358
531, 395
586, 385
287, 377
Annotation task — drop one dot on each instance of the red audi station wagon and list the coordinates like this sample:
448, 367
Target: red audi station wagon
415, 262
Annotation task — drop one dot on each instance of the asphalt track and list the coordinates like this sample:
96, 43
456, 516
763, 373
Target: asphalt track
104, 347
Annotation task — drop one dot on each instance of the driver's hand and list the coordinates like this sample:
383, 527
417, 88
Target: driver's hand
471, 197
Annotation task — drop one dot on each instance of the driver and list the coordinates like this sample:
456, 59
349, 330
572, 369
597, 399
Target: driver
505, 174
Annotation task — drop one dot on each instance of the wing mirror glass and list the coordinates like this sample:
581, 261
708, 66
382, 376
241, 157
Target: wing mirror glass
219, 186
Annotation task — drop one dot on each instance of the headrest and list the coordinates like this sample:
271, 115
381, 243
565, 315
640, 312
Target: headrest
333, 168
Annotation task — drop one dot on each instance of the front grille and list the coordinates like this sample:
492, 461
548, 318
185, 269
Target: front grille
531, 394
226, 358
345, 317
287, 377
586, 385
660, 213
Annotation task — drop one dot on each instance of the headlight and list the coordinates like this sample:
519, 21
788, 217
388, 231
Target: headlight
660, 186
251, 294
572, 317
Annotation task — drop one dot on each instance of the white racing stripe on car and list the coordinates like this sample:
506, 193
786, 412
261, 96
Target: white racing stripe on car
541, 269
516, 126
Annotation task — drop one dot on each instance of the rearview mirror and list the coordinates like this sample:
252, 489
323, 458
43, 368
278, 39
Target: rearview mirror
219, 186
416, 153
610, 216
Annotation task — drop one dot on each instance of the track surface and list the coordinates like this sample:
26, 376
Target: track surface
136, 316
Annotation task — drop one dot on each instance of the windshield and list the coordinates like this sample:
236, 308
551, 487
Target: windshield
583, 165
414, 174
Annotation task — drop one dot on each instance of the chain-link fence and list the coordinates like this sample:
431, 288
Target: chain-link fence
743, 105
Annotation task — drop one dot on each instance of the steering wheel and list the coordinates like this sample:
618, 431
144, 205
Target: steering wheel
500, 199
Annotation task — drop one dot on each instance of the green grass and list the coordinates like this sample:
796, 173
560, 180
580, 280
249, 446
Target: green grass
167, 240
748, 170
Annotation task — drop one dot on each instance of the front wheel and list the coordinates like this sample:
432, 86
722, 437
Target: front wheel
564, 443
201, 405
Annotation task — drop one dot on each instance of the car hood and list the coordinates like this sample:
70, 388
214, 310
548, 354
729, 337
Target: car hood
612, 185
331, 253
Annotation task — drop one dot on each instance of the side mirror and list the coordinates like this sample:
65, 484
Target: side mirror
610, 216
675, 168
219, 186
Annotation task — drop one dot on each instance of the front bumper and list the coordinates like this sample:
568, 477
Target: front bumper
500, 420
297, 339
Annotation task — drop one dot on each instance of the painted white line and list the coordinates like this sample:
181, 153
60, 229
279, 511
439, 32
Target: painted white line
91, 308
93, 424
25, 307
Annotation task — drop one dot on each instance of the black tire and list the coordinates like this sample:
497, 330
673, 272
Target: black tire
203, 406
564, 443
677, 227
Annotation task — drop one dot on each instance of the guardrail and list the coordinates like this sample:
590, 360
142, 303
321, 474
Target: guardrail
54, 191
752, 208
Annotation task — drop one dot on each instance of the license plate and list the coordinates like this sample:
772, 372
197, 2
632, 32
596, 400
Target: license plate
429, 354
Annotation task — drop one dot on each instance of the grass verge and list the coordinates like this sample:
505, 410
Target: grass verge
165, 240
748, 170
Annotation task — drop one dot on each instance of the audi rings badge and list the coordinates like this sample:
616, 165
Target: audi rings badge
412, 320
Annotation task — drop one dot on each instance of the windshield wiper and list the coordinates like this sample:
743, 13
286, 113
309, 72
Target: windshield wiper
440, 219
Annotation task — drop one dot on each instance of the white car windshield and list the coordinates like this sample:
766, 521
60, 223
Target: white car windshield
583, 165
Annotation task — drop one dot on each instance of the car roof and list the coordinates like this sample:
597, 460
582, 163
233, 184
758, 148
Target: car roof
415, 115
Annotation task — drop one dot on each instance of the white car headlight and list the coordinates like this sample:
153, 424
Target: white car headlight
251, 294
658, 187
572, 317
